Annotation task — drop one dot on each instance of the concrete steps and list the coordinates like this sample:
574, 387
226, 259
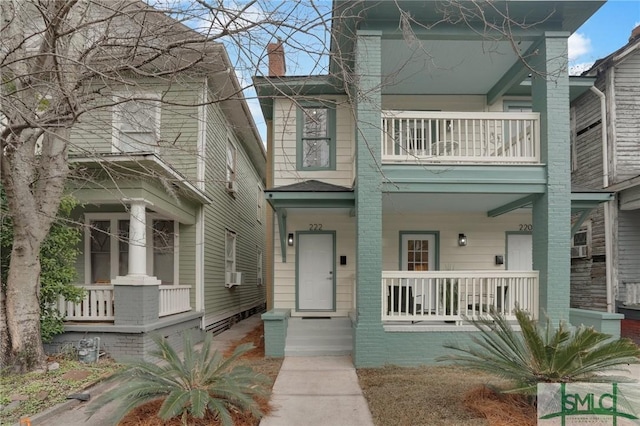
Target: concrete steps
318, 337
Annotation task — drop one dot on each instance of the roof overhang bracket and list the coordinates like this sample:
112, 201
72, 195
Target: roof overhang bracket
282, 230
578, 223
519, 203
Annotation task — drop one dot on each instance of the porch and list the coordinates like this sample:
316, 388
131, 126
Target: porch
461, 137
455, 296
98, 303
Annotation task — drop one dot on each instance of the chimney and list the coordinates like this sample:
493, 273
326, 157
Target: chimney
277, 65
635, 33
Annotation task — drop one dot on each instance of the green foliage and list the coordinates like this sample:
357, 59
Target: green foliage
57, 260
543, 354
198, 382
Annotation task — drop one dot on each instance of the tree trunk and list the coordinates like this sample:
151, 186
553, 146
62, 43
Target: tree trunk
23, 307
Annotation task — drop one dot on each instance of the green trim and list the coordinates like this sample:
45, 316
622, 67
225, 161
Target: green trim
522, 202
282, 228
331, 133
280, 200
506, 244
578, 223
333, 234
460, 179
436, 256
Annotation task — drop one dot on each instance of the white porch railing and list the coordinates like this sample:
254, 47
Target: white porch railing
453, 295
97, 305
470, 137
174, 299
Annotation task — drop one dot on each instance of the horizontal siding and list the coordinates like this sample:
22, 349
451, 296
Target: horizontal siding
486, 237
237, 213
628, 248
588, 144
284, 156
178, 125
627, 85
285, 273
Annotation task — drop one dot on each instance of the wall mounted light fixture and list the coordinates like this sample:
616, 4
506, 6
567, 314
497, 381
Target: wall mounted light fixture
462, 240
290, 240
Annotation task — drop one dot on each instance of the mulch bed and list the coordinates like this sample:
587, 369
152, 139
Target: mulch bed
145, 415
501, 409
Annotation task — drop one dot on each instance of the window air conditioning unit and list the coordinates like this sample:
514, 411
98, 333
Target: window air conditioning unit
233, 279
578, 252
232, 187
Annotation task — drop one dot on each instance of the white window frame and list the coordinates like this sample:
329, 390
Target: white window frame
584, 229
119, 100
573, 140
114, 249
259, 270
231, 170
230, 259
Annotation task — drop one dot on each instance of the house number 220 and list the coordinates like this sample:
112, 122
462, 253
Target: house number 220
315, 227
526, 227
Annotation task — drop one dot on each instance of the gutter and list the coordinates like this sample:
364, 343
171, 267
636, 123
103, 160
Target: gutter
608, 248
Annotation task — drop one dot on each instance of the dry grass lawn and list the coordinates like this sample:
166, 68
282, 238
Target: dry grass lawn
432, 396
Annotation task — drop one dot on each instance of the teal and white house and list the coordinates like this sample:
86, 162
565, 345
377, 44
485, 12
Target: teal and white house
170, 180
424, 180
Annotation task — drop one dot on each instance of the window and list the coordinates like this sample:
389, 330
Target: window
581, 241
259, 268
163, 250
231, 167
230, 251
316, 137
260, 203
107, 245
136, 124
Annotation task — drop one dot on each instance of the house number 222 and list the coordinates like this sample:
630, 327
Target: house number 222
315, 227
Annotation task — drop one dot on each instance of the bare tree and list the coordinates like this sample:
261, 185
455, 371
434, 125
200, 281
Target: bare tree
62, 61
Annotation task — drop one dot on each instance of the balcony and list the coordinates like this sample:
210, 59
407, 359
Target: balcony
460, 137
98, 304
454, 296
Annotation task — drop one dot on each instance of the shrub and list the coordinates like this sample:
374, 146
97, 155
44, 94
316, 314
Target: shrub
198, 382
542, 354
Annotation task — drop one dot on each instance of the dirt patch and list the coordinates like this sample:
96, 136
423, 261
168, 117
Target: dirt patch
255, 336
76, 375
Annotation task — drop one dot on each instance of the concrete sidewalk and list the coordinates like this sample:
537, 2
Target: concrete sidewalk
72, 413
318, 391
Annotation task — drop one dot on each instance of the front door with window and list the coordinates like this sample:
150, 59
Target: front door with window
419, 254
316, 276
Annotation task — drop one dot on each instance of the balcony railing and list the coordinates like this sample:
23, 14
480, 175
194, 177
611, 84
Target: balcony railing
98, 303
460, 137
174, 299
456, 295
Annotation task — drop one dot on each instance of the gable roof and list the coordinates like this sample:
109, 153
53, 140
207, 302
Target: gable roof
311, 185
617, 56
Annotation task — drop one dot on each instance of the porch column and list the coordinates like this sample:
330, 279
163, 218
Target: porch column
369, 345
552, 211
136, 295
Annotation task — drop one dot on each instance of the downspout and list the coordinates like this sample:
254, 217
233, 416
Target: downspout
607, 214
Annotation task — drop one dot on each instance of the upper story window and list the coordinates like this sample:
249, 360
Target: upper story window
231, 166
136, 123
316, 148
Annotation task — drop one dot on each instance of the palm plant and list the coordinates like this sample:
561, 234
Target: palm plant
202, 380
543, 354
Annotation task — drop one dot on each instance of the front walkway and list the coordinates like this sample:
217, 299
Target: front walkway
318, 391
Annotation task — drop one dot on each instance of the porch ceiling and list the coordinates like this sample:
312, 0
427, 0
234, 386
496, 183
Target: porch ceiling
469, 67
442, 202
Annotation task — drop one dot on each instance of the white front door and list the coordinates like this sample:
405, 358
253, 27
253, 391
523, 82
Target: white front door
316, 278
519, 252
419, 254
